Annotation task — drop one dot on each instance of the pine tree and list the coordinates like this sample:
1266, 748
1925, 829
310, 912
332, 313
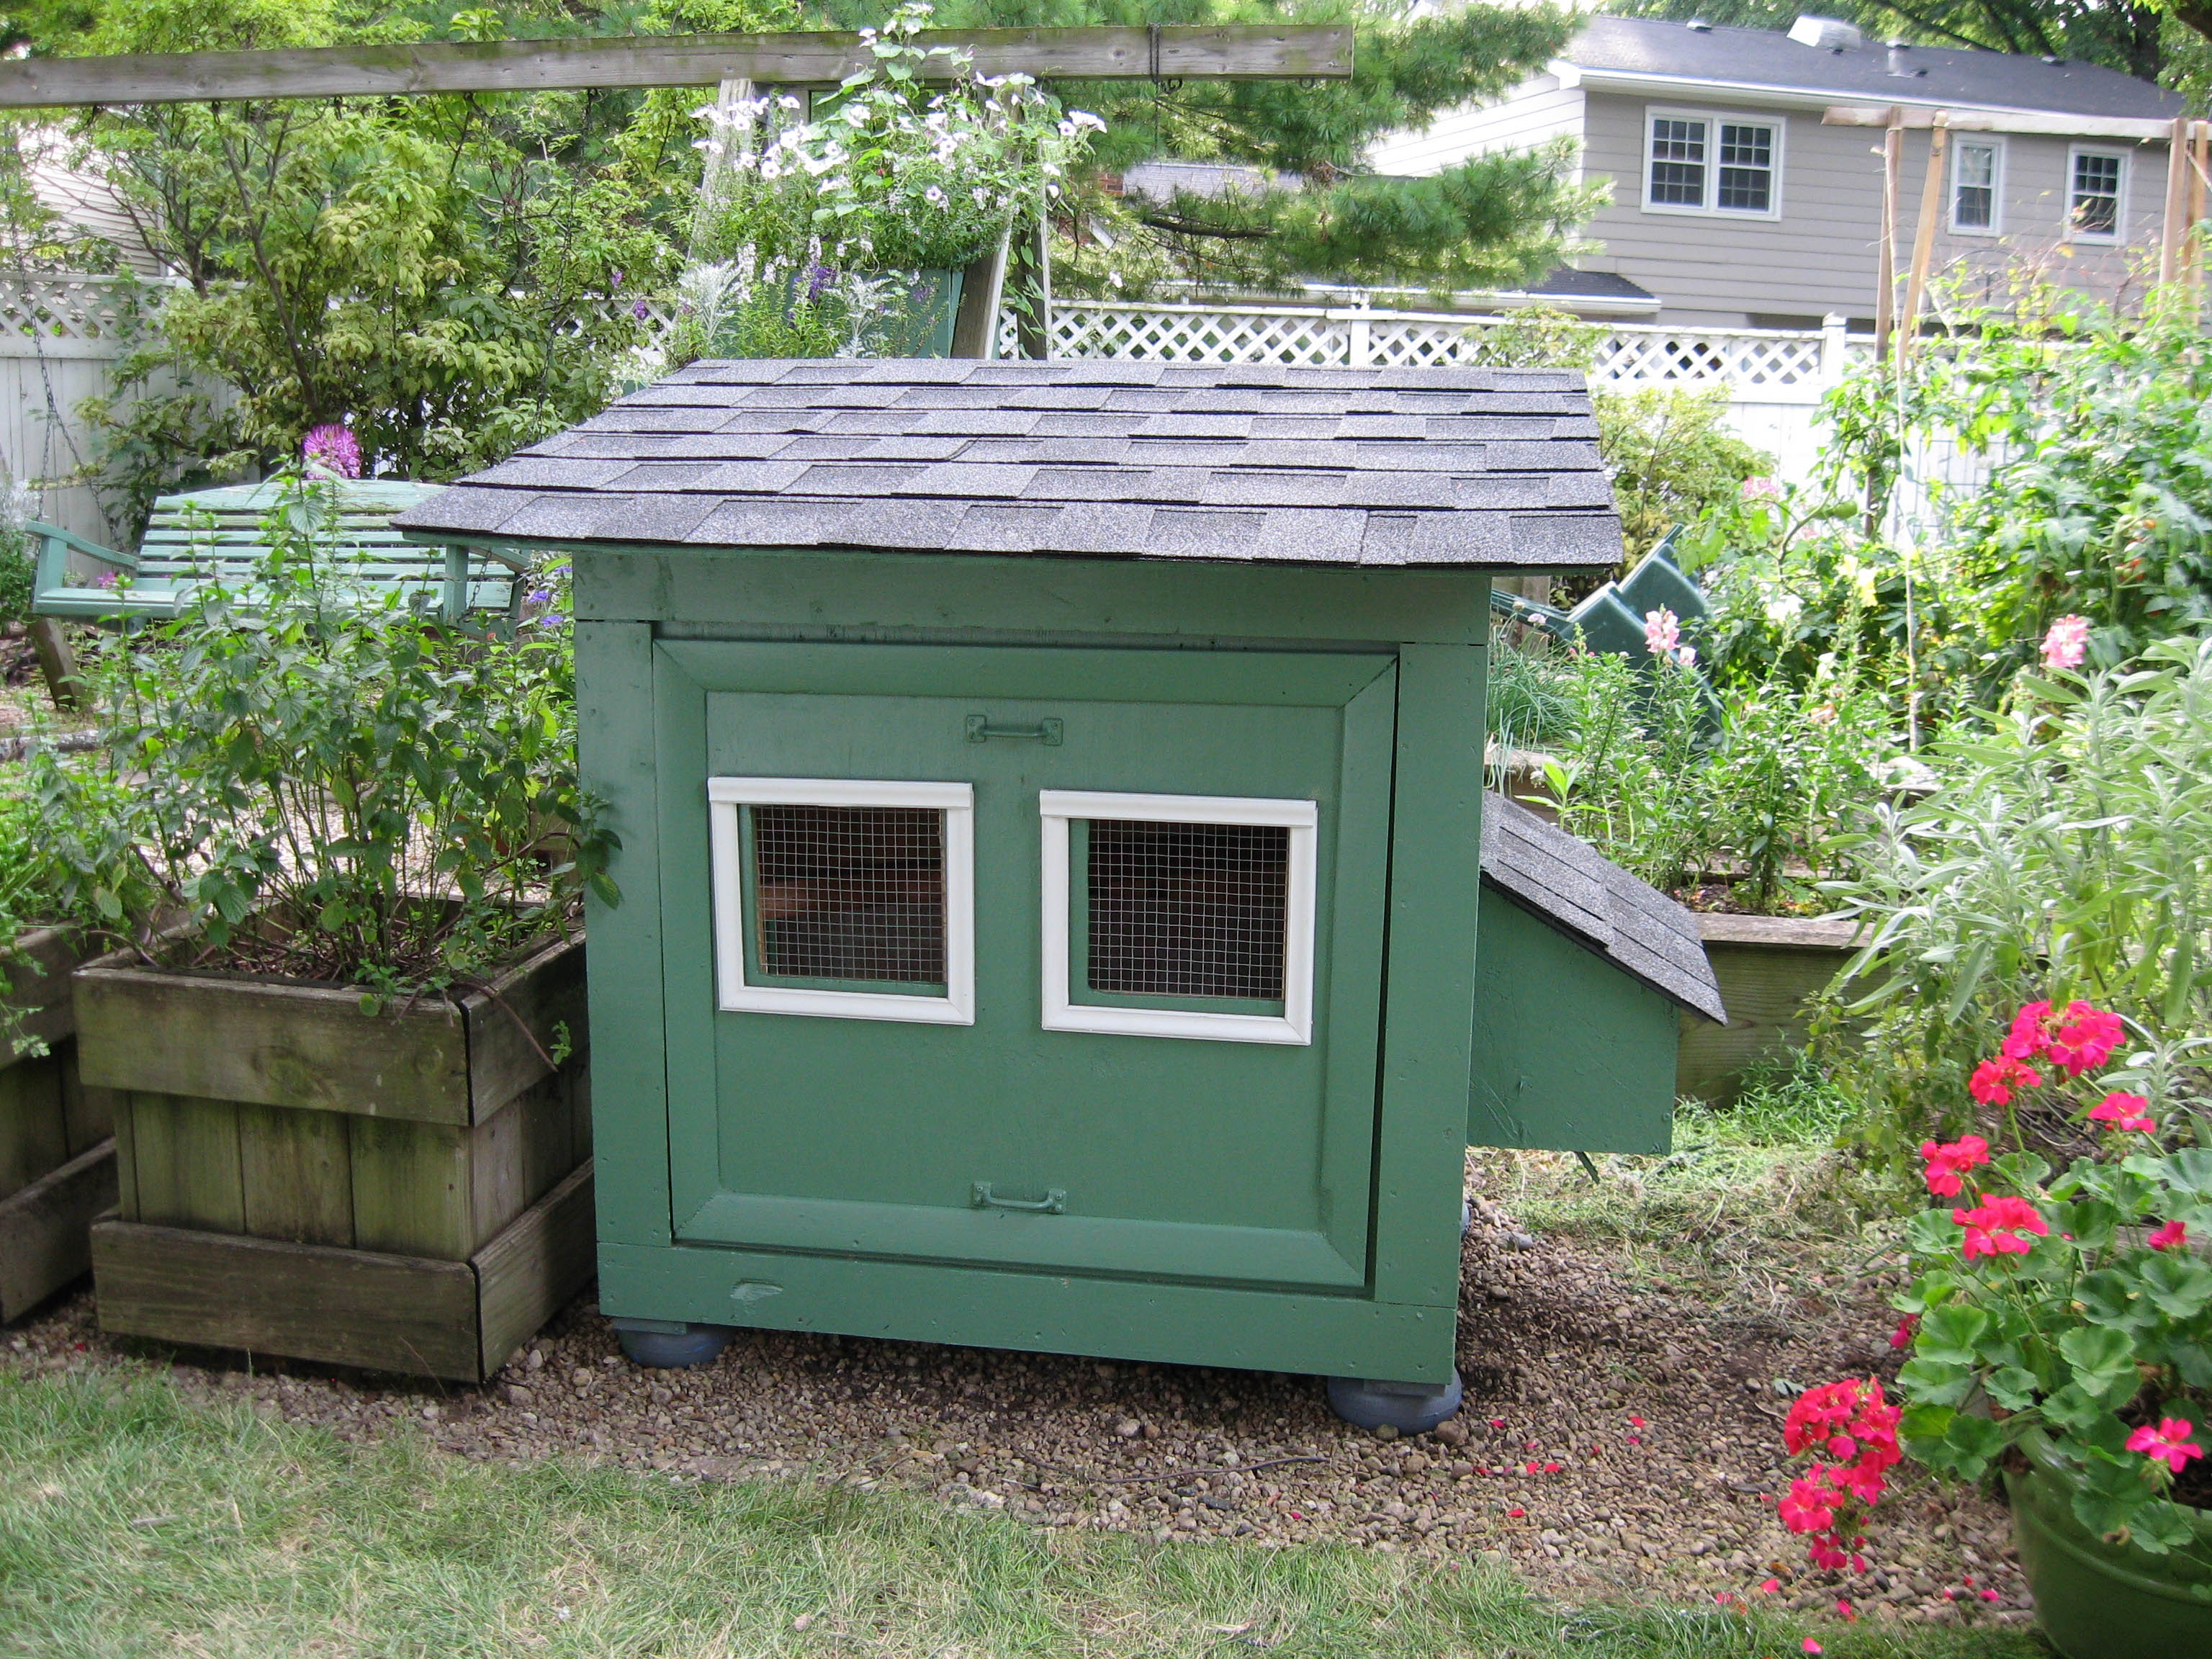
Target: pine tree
1314, 211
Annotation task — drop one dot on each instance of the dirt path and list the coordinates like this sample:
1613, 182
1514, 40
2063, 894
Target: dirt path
1618, 1438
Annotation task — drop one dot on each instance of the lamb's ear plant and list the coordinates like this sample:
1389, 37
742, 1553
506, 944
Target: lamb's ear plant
313, 778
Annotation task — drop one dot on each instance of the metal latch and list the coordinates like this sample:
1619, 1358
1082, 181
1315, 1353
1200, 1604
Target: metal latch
1046, 731
982, 1197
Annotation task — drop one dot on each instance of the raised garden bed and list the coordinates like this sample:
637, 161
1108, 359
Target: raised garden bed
1769, 969
57, 1145
408, 1191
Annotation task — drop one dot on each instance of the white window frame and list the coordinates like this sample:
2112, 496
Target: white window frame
956, 800
2119, 231
1714, 119
1995, 143
1058, 808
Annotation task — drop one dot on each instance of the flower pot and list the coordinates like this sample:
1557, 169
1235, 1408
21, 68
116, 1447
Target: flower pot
407, 1191
1771, 970
56, 1144
2099, 1600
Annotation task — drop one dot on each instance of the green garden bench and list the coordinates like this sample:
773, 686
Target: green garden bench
215, 537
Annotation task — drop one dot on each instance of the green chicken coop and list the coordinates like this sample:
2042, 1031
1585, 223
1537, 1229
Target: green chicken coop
1061, 909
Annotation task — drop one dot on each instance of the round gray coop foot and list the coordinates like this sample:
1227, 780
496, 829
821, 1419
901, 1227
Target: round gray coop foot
1408, 1407
662, 1344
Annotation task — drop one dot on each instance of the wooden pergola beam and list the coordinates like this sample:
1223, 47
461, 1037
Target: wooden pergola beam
1172, 51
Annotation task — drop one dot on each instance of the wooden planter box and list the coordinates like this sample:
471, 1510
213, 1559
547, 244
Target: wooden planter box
1770, 969
56, 1146
408, 1192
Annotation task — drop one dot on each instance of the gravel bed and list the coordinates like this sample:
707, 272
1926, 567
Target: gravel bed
1618, 1438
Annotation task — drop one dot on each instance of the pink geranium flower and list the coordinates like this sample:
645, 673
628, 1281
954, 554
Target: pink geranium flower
2169, 1443
2125, 1112
1902, 1336
2067, 642
1994, 1080
1996, 1225
2085, 1039
1947, 1164
2174, 1236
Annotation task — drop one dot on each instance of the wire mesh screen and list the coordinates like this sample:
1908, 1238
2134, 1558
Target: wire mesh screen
850, 892
1187, 909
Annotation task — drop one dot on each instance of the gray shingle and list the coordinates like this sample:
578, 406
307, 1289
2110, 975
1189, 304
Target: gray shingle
1442, 467
1567, 884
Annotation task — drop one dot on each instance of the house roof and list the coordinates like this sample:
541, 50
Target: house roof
1764, 59
1567, 883
1255, 463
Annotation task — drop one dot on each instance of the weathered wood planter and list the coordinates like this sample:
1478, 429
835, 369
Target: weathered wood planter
1769, 969
408, 1192
57, 1150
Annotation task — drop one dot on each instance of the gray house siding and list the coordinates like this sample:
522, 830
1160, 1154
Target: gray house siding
1534, 114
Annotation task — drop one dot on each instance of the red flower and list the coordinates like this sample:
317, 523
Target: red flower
1994, 1080
1528, 1469
1550, 1468
2085, 1039
1947, 1164
1902, 1336
1772, 1587
1809, 1506
1515, 1513
2030, 1035
2174, 1236
1994, 1227
2126, 1111
2168, 1443
1823, 1553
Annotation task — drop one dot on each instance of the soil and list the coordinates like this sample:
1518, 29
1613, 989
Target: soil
1621, 1436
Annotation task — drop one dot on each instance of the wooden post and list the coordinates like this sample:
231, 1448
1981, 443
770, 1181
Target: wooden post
976, 326
1923, 235
2170, 232
58, 662
2192, 252
1885, 297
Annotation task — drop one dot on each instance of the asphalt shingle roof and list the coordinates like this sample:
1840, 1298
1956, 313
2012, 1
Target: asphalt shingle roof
1568, 884
1955, 77
1261, 464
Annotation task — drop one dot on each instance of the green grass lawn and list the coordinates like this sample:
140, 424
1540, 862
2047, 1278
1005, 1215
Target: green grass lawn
132, 1521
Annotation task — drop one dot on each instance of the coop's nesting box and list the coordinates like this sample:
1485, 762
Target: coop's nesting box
1051, 796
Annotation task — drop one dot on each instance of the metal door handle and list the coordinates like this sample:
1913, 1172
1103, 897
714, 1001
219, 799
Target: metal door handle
1046, 731
982, 1198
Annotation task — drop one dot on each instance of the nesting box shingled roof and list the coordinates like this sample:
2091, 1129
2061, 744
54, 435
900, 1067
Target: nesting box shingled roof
1476, 468
1568, 884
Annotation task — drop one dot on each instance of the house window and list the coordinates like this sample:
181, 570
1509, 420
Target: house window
844, 899
1701, 162
2094, 202
1179, 915
1976, 175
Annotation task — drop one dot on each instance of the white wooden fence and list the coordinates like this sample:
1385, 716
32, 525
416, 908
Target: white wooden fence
59, 338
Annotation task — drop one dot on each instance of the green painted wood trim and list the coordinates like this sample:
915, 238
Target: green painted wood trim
1322, 680
629, 1084
1036, 1312
1570, 1053
798, 593
1093, 1245
1429, 1022
687, 943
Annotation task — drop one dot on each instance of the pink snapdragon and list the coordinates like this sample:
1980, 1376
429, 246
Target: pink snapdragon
2169, 1443
2067, 642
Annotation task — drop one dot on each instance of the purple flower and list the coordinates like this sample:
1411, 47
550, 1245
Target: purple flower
539, 596
614, 278
639, 309
819, 278
333, 448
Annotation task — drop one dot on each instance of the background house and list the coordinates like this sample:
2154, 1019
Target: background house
1736, 205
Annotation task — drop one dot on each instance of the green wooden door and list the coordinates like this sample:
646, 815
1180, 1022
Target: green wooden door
1200, 1107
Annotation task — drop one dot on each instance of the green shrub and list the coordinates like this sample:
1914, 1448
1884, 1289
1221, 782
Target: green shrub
331, 785
1671, 458
2067, 853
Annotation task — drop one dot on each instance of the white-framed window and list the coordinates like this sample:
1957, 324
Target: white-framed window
2096, 194
1977, 164
1710, 162
844, 898
1179, 915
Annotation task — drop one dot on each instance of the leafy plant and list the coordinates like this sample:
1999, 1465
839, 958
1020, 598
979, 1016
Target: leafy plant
2069, 1308
1671, 458
2068, 848
328, 783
